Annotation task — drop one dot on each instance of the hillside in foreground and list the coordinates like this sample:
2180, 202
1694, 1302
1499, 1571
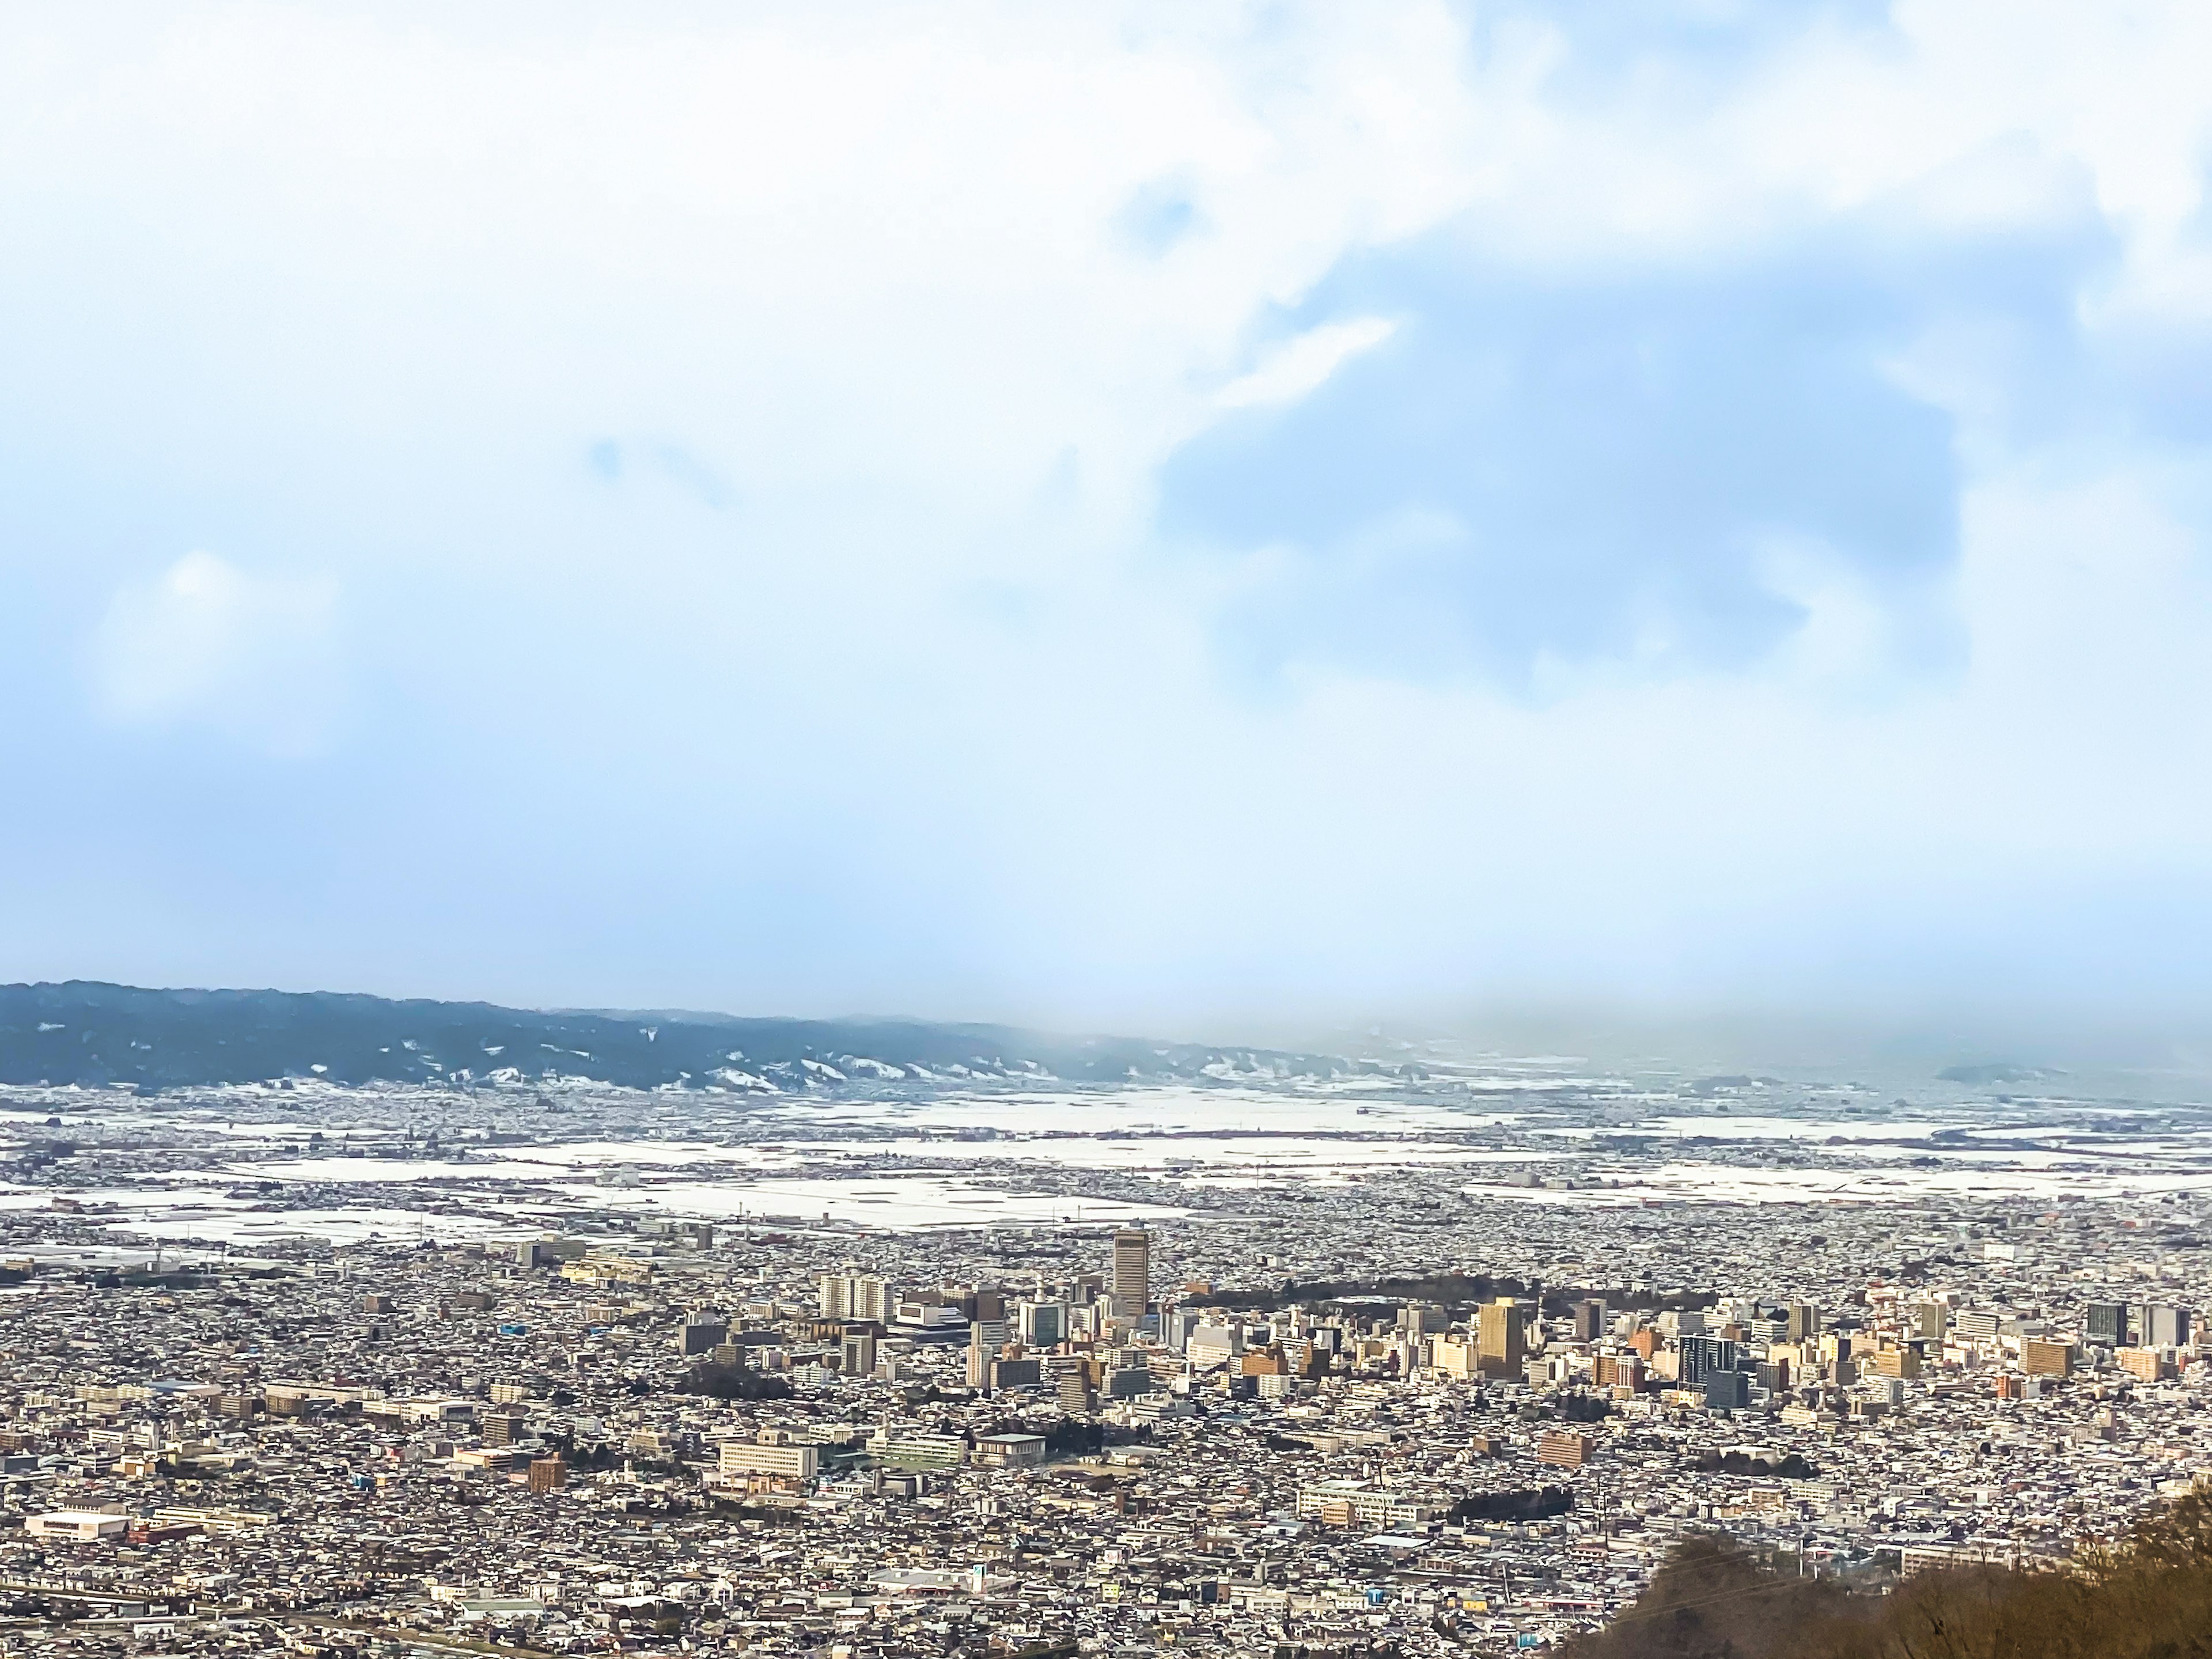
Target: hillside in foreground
2149, 1599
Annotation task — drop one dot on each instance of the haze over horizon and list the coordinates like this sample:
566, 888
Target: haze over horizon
1185, 523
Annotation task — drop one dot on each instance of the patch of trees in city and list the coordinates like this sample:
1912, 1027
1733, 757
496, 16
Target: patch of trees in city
734, 1382
2148, 1598
1790, 1467
1524, 1504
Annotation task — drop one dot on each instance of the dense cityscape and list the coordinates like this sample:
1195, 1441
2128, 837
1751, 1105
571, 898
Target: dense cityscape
999, 832
570, 1370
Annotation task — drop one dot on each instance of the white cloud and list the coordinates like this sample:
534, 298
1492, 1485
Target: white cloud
207, 643
373, 281
1303, 364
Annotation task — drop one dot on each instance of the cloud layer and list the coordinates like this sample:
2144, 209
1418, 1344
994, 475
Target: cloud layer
1128, 516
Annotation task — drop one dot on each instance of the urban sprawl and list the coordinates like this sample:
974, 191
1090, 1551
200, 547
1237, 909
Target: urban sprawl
262, 1395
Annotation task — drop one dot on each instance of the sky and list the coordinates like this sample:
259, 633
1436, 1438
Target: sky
1162, 516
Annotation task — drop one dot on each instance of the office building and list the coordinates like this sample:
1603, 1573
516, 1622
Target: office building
1457, 1355
1727, 1391
1702, 1356
502, 1428
1498, 1331
862, 1298
1074, 1392
1127, 1382
745, 1457
2157, 1326
701, 1333
1023, 1373
1133, 1272
1043, 1324
1589, 1319
1210, 1345
2145, 1364
1803, 1321
548, 1474
1901, 1362
2040, 1358
1561, 1449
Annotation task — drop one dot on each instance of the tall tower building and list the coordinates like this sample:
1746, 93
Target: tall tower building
1589, 1321
857, 1296
1133, 1270
1498, 1332
1804, 1322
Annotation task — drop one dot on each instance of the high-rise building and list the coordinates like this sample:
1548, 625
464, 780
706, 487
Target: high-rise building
858, 1297
1073, 1391
1702, 1356
1561, 1449
1016, 1373
1619, 1371
1975, 1324
501, 1428
1589, 1319
1727, 1391
2106, 1324
857, 1356
1041, 1324
1133, 1270
2039, 1359
702, 1333
2158, 1326
1208, 1346
1902, 1362
1499, 1331
1804, 1322
1460, 1357
2146, 1365
1932, 1321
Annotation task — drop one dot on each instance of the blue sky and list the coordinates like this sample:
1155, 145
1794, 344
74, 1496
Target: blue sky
1156, 516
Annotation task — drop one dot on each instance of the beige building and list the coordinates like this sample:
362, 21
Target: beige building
2039, 1359
1457, 1355
1563, 1450
80, 1526
1499, 1333
1133, 1270
742, 1457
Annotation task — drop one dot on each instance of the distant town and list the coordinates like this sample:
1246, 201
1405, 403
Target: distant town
352, 1371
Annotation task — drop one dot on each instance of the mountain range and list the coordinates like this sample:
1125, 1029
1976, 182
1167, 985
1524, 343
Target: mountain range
89, 1033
